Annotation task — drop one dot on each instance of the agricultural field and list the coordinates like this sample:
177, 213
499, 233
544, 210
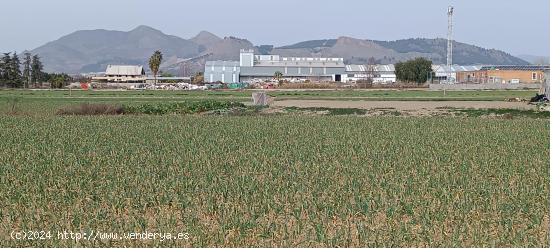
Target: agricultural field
47, 102
271, 180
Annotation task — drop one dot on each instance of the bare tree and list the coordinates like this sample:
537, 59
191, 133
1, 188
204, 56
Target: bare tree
371, 70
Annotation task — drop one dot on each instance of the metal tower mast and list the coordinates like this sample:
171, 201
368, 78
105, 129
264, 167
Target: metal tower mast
450, 13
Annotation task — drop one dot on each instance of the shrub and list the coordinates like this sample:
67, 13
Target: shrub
92, 109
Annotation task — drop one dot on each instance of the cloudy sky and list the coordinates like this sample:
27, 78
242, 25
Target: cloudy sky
518, 27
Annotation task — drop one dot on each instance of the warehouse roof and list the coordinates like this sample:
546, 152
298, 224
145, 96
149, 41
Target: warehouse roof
301, 63
517, 67
124, 70
364, 68
222, 63
456, 68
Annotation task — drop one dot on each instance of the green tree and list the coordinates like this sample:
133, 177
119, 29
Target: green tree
57, 81
36, 68
416, 70
198, 78
5, 69
278, 75
27, 62
15, 80
154, 63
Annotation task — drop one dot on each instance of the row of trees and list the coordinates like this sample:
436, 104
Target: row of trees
11, 74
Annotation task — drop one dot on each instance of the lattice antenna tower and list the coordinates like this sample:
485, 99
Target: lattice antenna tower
450, 13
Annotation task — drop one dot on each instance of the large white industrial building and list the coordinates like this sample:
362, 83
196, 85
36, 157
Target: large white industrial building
256, 68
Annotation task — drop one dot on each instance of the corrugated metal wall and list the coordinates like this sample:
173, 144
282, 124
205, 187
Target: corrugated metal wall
221, 73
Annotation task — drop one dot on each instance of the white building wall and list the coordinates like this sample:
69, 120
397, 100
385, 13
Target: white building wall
382, 78
247, 59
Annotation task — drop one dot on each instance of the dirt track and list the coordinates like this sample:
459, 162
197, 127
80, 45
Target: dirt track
403, 105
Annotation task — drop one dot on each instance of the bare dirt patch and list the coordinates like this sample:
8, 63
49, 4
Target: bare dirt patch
403, 108
403, 105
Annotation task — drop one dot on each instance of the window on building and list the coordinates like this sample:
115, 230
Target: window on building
534, 76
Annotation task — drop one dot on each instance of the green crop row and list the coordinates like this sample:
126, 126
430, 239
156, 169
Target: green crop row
180, 107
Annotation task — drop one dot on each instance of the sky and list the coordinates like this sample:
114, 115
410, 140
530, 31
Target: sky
517, 27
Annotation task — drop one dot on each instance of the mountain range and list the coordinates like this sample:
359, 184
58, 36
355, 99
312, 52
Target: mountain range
93, 50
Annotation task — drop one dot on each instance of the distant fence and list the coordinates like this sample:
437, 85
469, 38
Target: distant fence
484, 86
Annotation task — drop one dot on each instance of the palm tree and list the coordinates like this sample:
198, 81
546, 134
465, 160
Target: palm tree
154, 63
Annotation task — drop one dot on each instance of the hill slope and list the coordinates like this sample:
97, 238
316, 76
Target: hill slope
90, 51
229, 48
205, 39
359, 51
464, 54
93, 50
